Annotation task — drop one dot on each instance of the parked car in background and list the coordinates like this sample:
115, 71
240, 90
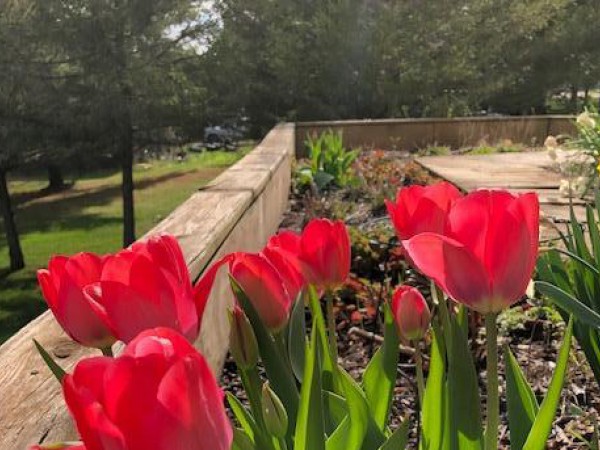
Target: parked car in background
225, 135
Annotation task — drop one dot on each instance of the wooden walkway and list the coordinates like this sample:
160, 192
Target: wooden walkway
516, 172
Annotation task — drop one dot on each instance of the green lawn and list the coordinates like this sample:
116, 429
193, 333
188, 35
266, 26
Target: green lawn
87, 217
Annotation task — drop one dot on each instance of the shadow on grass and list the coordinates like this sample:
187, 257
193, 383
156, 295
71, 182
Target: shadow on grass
65, 212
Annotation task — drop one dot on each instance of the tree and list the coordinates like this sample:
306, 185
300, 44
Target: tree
123, 60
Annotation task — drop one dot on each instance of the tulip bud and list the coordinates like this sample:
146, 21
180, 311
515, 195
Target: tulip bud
274, 414
411, 313
242, 341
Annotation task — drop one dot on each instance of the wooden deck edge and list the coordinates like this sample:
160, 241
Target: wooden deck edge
237, 213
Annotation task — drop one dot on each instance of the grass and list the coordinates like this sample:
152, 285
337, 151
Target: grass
87, 217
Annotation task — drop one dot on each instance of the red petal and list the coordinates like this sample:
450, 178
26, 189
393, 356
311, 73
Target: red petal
452, 266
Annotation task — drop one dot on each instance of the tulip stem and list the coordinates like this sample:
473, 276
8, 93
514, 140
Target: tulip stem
493, 402
107, 351
252, 385
420, 378
331, 325
438, 296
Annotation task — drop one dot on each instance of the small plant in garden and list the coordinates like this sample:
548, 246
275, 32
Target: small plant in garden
580, 167
330, 163
479, 251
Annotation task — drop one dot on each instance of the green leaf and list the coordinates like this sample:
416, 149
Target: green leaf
241, 441
521, 402
336, 407
536, 440
243, 416
399, 438
352, 431
56, 370
331, 381
297, 337
310, 434
433, 408
569, 303
278, 370
379, 379
465, 412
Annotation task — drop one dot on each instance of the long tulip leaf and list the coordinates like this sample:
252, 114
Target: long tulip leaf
433, 409
297, 338
241, 441
379, 378
521, 402
463, 388
399, 438
56, 370
536, 440
243, 416
569, 303
310, 432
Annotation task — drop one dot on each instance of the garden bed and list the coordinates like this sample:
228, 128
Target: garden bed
533, 330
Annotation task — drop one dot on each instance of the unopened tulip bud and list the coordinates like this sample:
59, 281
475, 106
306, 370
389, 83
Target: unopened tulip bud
411, 313
274, 414
242, 341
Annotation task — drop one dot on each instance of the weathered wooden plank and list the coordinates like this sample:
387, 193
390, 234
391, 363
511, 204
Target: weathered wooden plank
238, 212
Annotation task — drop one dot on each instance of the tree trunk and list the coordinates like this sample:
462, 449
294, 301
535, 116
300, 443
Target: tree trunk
56, 182
126, 144
10, 227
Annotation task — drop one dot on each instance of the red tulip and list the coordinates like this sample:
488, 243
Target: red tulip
159, 394
283, 251
420, 209
487, 256
411, 313
147, 286
325, 249
260, 280
63, 287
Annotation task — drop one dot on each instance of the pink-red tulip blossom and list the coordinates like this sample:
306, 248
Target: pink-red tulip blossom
159, 394
411, 313
420, 209
487, 254
63, 285
147, 286
325, 253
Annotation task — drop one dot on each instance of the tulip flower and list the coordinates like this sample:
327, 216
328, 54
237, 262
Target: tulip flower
261, 282
63, 285
325, 252
147, 286
283, 250
420, 209
487, 255
411, 313
159, 394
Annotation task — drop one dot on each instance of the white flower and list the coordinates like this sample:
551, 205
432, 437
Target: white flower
551, 142
552, 154
586, 120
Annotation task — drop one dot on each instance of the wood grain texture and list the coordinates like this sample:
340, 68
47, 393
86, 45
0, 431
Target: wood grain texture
408, 134
237, 211
516, 172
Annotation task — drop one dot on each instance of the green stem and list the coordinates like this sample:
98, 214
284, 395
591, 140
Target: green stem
420, 378
331, 325
493, 402
438, 296
107, 351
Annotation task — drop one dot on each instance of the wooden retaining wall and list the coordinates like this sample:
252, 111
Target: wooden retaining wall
410, 134
238, 210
